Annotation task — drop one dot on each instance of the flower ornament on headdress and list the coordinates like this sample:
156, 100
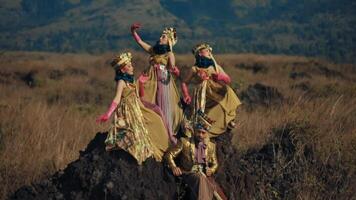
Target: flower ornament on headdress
201, 46
121, 60
171, 35
203, 122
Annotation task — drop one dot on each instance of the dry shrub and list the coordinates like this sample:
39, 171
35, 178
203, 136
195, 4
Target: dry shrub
42, 128
38, 139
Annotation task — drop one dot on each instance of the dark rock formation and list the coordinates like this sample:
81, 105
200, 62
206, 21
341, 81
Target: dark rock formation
29, 78
279, 170
262, 95
98, 174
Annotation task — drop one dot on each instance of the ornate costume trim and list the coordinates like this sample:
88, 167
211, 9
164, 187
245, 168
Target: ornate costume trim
124, 76
161, 49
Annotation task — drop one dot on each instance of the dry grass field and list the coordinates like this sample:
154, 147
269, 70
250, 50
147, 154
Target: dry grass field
49, 103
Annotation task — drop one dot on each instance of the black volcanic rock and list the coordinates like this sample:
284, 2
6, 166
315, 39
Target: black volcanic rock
278, 170
98, 174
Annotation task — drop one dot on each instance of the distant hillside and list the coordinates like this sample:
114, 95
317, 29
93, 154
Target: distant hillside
324, 28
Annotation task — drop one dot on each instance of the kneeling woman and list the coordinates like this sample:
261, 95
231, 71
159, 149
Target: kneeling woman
136, 129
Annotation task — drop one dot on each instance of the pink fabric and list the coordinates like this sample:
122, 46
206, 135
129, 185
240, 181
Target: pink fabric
158, 111
106, 116
141, 80
141, 90
163, 98
136, 36
221, 77
186, 96
203, 75
134, 27
175, 71
200, 156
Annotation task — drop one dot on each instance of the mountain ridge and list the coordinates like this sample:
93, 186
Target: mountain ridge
309, 28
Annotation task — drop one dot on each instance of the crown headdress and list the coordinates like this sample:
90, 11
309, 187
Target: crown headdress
121, 60
171, 34
201, 46
203, 122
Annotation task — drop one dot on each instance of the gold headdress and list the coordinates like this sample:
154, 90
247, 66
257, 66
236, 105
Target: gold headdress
171, 35
201, 46
202, 121
121, 60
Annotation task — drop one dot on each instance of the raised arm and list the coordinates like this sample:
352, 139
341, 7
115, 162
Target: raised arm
172, 64
116, 101
138, 39
171, 60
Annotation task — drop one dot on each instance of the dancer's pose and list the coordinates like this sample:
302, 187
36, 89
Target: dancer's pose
157, 83
212, 94
136, 129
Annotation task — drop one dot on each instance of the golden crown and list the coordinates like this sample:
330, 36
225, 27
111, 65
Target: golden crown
122, 59
171, 34
201, 46
203, 122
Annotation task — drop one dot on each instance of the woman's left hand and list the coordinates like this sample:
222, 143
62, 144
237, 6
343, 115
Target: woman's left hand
221, 77
203, 75
174, 70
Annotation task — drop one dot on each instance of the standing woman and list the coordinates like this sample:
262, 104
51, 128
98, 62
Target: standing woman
212, 94
157, 83
136, 129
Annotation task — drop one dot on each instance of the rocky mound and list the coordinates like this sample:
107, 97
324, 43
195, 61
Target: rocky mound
279, 170
261, 95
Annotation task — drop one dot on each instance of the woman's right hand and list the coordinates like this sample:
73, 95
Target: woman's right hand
186, 97
177, 171
102, 118
106, 116
143, 78
135, 26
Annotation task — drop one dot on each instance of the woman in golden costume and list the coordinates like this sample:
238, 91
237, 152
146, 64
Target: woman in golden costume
212, 94
136, 129
157, 83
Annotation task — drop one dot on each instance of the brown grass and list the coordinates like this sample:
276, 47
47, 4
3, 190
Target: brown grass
44, 126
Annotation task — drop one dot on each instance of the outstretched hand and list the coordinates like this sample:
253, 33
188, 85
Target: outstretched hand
135, 26
102, 118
